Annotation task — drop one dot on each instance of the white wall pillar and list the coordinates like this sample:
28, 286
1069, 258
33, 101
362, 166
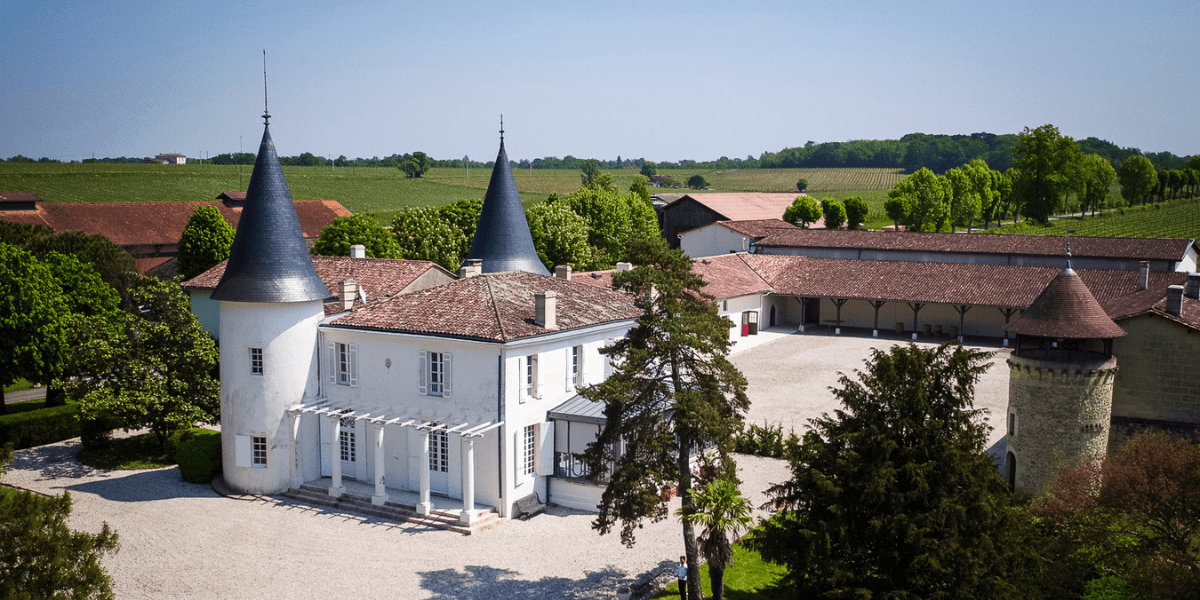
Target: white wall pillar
294, 421
424, 507
336, 489
380, 496
468, 514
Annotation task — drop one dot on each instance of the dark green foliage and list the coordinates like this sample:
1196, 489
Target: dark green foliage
893, 495
33, 319
856, 211
154, 367
697, 182
803, 211
612, 218
926, 200
415, 165
801, 185
1048, 162
589, 171
765, 440
337, 237
198, 452
834, 213
1138, 179
113, 263
41, 557
559, 236
649, 169
39, 427
724, 513
672, 392
422, 234
205, 241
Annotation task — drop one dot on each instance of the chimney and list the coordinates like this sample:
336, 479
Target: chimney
471, 268
563, 272
1193, 286
348, 291
1144, 275
624, 266
1175, 300
358, 251
545, 307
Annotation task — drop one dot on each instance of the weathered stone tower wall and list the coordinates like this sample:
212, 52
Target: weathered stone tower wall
1062, 415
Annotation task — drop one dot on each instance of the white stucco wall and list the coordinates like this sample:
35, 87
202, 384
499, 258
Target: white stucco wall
254, 405
712, 240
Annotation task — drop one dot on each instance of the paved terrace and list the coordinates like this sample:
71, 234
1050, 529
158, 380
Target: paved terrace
181, 540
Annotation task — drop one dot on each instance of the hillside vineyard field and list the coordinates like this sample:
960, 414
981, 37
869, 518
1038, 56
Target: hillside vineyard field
1172, 219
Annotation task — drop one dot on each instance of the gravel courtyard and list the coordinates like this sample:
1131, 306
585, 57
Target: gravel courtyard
181, 540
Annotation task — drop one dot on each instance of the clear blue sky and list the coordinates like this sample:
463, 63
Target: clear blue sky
664, 81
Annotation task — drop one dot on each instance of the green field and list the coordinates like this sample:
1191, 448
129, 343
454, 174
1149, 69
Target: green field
1174, 219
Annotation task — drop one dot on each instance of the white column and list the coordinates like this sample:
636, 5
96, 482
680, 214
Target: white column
297, 471
424, 507
380, 496
468, 514
336, 489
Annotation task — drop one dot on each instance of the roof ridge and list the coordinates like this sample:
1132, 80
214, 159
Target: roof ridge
742, 257
495, 309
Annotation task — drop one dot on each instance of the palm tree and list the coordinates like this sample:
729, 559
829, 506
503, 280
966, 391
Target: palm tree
724, 513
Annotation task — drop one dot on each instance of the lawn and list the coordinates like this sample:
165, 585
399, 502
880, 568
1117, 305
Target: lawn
20, 384
750, 577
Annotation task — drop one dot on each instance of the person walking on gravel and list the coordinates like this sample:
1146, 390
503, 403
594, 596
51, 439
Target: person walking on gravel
681, 575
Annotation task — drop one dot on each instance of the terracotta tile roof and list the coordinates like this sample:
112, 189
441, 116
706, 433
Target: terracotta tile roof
22, 197
1066, 309
378, 277
1139, 248
595, 278
492, 306
745, 206
1153, 300
155, 223
756, 229
729, 276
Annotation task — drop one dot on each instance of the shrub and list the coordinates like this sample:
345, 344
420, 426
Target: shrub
97, 432
198, 452
39, 427
767, 440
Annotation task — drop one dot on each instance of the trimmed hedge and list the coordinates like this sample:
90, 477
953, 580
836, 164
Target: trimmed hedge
198, 452
39, 427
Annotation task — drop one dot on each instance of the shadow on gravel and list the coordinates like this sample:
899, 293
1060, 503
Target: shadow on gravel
140, 486
53, 461
483, 582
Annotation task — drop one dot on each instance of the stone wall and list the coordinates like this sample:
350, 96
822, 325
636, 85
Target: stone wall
1063, 413
1160, 371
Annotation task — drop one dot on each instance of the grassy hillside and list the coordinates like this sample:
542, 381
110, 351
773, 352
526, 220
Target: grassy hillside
1175, 219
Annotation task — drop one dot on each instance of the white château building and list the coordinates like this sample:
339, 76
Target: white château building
435, 401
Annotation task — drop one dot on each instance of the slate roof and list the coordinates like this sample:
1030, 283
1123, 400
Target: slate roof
269, 259
156, 223
492, 307
1066, 309
502, 239
378, 277
579, 410
1134, 248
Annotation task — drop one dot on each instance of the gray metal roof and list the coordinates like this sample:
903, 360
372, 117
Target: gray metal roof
502, 238
579, 410
269, 260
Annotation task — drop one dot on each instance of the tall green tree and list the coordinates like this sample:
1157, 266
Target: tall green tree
803, 211
415, 166
464, 216
1047, 162
423, 235
589, 171
697, 182
672, 392
205, 242
1096, 179
84, 294
801, 185
41, 556
337, 237
856, 211
896, 207
649, 169
112, 262
639, 187
613, 217
834, 213
965, 199
34, 319
559, 236
926, 200
893, 495
152, 367
721, 510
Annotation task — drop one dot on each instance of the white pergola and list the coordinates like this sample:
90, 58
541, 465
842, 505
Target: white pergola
379, 418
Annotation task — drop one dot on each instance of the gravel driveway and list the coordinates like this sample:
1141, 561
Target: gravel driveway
181, 540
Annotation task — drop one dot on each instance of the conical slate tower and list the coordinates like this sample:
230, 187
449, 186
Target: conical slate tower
269, 259
502, 240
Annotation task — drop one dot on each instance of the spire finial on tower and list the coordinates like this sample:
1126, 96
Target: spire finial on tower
266, 115
501, 129
1069, 232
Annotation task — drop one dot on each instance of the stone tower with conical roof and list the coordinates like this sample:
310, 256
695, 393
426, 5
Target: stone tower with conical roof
1060, 385
270, 305
502, 240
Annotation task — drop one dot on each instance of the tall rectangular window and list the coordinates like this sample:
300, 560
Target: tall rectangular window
529, 374
439, 451
346, 439
577, 365
258, 452
437, 373
530, 450
256, 361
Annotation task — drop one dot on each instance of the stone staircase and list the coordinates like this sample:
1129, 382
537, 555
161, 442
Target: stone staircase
393, 511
